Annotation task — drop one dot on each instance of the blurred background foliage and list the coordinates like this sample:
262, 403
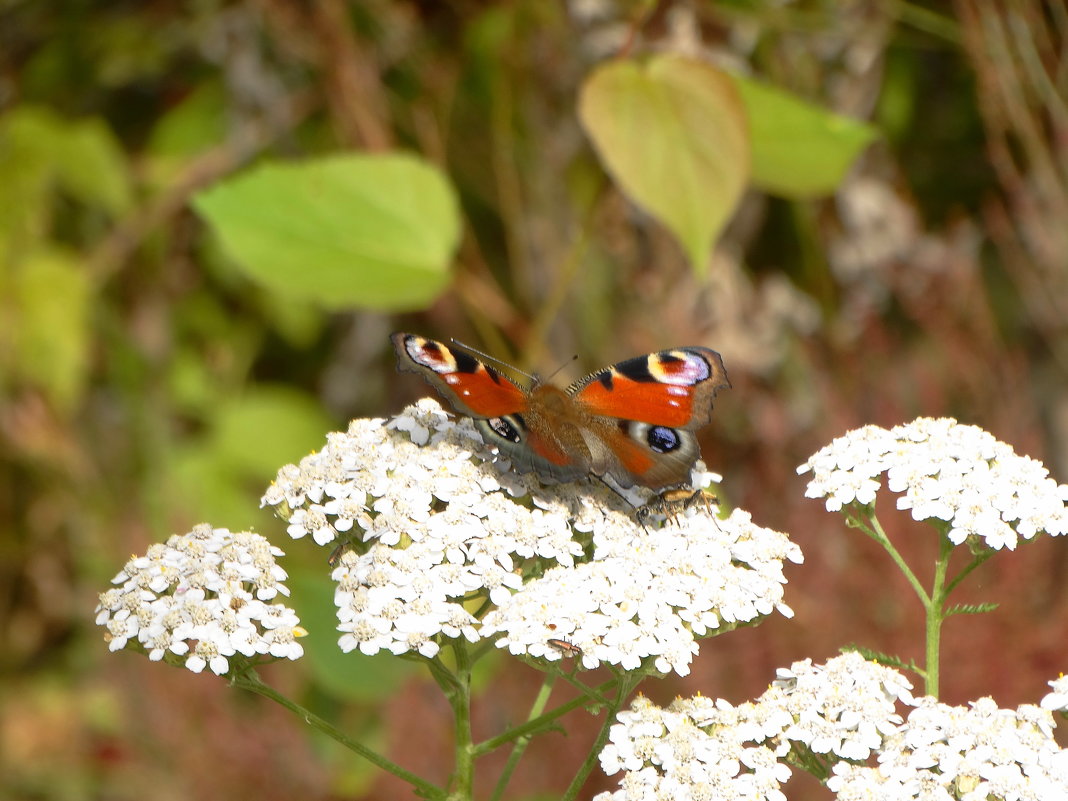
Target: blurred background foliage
149, 382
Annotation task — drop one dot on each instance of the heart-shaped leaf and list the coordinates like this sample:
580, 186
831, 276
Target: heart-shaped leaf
672, 132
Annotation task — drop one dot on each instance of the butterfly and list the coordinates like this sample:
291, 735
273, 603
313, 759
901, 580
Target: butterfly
633, 422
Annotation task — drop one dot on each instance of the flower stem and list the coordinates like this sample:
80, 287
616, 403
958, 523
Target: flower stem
523, 740
540, 722
627, 683
463, 778
935, 610
976, 561
874, 529
249, 680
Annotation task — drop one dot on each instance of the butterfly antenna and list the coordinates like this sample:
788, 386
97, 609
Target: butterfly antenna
488, 358
562, 366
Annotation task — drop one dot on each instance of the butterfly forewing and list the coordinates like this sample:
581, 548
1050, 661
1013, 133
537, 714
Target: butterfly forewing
473, 388
669, 388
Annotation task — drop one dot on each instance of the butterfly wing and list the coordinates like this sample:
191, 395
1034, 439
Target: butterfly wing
502, 410
652, 404
669, 388
471, 386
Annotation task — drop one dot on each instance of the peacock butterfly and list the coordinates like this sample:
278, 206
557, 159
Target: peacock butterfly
632, 422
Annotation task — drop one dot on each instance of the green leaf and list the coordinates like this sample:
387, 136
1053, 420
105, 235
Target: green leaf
39, 150
883, 658
194, 125
799, 149
268, 426
372, 231
970, 609
672, 133
213, 477
52, 296
91, 166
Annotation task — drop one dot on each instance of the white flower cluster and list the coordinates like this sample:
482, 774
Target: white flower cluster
946, 471
844, 712
697, 748
202, 596
438, 535
648, 595
844, 708
1057, 701
975, 753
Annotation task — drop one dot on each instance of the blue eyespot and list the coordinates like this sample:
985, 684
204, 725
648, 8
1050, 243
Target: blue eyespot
663, 439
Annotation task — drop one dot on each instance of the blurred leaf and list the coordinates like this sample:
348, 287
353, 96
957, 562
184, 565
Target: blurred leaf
267, 427
91, 166
375, 232
25, 140
52, 296
40, 150
193, 486
352, 676
221, 476
799, 149
196, 124
672, 133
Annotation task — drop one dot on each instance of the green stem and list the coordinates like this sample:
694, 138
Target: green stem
443, 677
250, 681
521, 742
627, 683
874, 529
935, 610
460, 700
977, 560
538, 723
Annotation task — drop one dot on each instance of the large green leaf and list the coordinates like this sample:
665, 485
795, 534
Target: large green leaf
373, 231
672, 133
799, 149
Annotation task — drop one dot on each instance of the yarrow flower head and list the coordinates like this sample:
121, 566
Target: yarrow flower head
697, 748
973, 753
201, 598
442, 544
845, 708
946, 471
844, 712
647, 596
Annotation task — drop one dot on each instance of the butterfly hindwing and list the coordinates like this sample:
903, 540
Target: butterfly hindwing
650, 456
656, 400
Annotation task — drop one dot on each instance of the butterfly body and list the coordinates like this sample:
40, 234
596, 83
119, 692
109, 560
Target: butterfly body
632, 422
